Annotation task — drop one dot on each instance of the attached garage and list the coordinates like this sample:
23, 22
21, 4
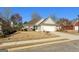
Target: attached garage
48, 28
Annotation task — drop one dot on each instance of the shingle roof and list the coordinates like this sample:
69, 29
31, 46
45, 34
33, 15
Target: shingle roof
32, 22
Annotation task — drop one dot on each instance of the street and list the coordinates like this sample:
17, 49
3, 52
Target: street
71, 46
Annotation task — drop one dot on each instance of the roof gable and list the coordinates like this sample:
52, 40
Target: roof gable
49, 20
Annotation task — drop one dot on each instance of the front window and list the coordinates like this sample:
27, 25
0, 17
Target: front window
35, 27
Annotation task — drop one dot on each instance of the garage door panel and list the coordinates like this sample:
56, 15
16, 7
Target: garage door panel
49, 28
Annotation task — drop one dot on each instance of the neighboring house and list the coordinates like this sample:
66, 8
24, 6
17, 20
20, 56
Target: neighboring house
47, 24
5, 26
64, 24
67, 27
1, 24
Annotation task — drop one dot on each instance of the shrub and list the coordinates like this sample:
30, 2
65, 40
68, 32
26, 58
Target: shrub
25, 29
6, 32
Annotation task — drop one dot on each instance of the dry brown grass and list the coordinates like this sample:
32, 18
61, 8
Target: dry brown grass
28, 35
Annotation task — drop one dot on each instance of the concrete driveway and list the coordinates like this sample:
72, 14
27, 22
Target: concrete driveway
67, 35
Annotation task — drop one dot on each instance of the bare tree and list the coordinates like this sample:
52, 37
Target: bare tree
36, 16
7, 13
53, 17
64, 21
17, 20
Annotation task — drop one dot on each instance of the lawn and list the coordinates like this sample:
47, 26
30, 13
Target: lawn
27, 35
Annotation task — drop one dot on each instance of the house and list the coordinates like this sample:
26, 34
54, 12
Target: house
64, 24
67, 27
47, 24
5, 26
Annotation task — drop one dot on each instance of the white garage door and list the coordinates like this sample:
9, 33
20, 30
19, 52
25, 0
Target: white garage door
48, 28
